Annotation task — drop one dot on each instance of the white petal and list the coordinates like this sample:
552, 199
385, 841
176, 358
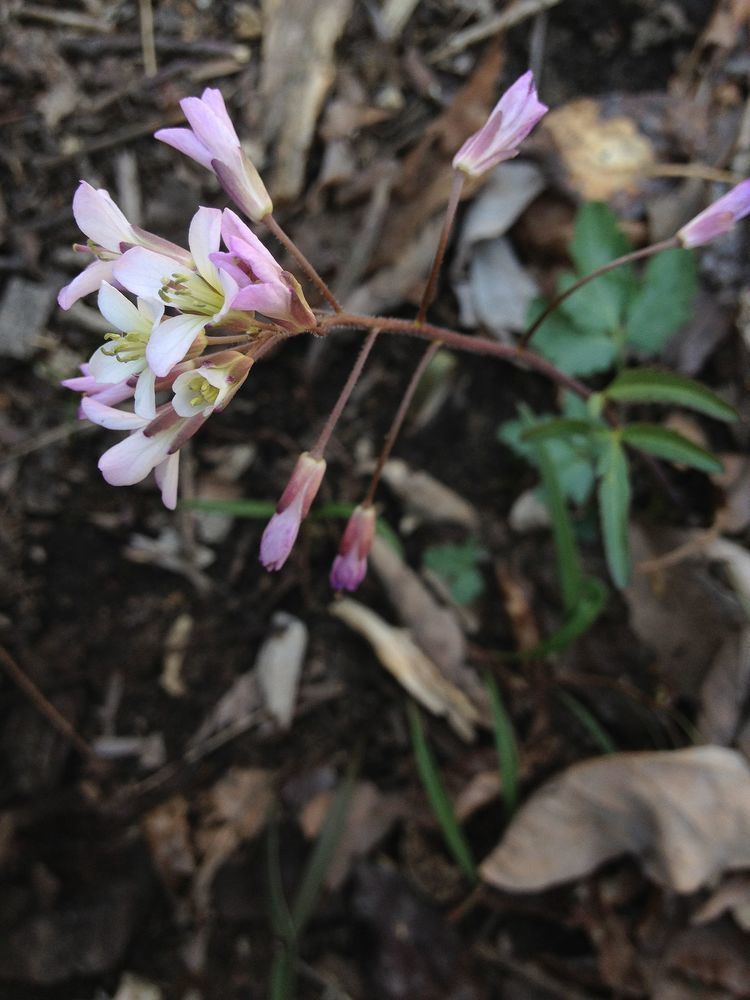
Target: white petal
142, 271
204, 239
87, 281
167, 475
131, 460
117, 310
230, 288
99, 218
108, 370
109, 417
145, 396
151, 311
171, 341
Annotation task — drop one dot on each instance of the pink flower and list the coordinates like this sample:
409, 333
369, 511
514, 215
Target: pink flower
264, 286
212, 141
718, 218
86, 384
514, 116
109, 232
350, 565
133, 458
201, 293
282, 530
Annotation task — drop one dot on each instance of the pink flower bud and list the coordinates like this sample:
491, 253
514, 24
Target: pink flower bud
718, 218
282, 530
514, 116
350, 565
212, 141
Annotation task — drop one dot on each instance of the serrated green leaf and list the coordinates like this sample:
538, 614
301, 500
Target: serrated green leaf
597, 306
668, 444
597, 240
646, 385
571, 349
663, 303
573, 458
614, 505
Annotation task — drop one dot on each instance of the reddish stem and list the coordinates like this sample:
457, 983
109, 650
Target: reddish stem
450, 214
319, 447
287, 242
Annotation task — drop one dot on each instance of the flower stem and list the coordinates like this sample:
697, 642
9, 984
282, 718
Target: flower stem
627, 258
287, 242
450, 214
319, 447
395, 429
461, 342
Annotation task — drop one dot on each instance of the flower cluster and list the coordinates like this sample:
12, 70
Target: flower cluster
168, 340
187, 325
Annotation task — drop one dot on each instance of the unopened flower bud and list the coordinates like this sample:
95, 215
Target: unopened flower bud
718, 218
212, 141
514, 116
350, 565
282, 530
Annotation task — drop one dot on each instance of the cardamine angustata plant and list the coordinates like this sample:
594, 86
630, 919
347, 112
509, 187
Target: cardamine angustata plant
188, 325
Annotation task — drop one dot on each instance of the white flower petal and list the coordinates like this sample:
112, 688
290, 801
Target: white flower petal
108, 370
204, 239
117, 309
171, 341
100, 219
131, 460
145, 396
109, 417
167, 475
142, 271
86, 282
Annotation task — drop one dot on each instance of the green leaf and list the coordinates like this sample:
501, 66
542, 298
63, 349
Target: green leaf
457, 566
665, 443
562, 427
597, 240
566, 552
573, 458
325, 846
505, 744
664, 302
596, 731
572, 350
614, 505
257, 509
591, 602
647, 385
436, 793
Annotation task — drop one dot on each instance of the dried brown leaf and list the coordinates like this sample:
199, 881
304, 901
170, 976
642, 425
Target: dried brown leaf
684, 813
418, 674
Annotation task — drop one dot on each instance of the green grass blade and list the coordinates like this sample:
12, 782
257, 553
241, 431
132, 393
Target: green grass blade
322, 854
614, 507
505, 743
437, 795
596, 731
566, 551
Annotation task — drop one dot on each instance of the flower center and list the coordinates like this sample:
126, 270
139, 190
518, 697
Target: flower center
127, 346
205, 393
191, 294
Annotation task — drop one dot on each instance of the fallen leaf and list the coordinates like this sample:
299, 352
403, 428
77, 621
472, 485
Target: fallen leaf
298, 34
279, 665
732, 896
427, 499
483, 788
167, 832
132, 987
735, 481
176, 645
399, 654
240, 702
602, 156
684, 813
725, 690
498, 291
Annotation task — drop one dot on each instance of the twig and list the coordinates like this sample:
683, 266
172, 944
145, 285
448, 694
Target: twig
508, 18
45, 707
148, 45
693, 171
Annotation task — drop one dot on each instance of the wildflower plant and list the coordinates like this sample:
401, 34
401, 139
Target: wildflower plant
188, 326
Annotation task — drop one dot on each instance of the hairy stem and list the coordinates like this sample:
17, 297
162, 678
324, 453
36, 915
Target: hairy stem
460, 342
287, 242
395, 429
319, 447
627, 258
450, 214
